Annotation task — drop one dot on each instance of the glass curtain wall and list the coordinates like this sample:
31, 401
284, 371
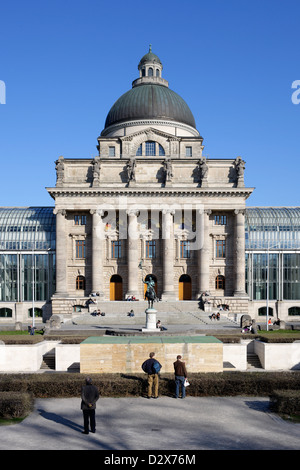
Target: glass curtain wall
27, 248
272, 238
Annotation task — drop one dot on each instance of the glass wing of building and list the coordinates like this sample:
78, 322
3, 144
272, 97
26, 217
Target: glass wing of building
27, 253
272, 242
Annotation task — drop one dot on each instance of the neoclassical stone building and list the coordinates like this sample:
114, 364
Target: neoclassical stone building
151, 204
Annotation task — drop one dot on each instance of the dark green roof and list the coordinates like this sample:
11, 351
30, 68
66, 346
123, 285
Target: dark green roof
149, 57
150, 101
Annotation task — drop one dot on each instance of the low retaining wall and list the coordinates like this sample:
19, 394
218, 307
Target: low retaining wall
24, 358
274, 356
124, 354
28, 358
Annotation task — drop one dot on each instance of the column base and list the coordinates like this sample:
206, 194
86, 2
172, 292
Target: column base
240, 294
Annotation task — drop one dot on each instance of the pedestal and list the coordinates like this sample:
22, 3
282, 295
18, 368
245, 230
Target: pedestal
150, 321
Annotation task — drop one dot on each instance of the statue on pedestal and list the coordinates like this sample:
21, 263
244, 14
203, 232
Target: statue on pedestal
150, 293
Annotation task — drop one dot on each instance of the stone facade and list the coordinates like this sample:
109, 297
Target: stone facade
150, 199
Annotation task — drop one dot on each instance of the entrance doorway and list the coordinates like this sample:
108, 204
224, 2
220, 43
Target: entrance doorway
147, 279
116, 287
185, 287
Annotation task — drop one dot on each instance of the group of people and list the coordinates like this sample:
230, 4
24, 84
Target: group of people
152, 367
215, 316
131, 298
98, 312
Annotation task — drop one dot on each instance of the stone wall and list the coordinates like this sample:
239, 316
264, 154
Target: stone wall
102, 355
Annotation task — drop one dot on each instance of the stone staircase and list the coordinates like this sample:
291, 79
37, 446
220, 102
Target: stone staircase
48, 362
253, 361
171, 313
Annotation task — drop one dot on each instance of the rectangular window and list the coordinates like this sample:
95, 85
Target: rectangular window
111, 151
220, 248
185, 251
80, 249
220, 220
150, 148
150, 248
80, 219
116, 249
188, 152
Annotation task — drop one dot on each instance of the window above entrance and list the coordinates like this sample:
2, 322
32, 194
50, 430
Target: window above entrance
150, 148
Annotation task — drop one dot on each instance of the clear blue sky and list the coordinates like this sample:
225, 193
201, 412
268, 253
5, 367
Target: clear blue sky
65, 63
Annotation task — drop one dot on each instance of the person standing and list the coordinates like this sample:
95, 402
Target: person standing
152, 367
180, 376
89, 397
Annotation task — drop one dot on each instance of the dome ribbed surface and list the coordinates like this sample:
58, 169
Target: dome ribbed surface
150, 101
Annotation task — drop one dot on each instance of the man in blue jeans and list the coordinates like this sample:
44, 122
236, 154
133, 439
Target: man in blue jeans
180, 376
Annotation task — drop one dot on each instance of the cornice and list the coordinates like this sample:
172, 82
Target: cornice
150, 192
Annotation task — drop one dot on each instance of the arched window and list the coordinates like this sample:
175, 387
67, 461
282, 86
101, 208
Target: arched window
294, 311
151, 149
263, 311
220, 282
80, 283
6, 312
77, 308
157, 72
150, 72
37, 312
161, 150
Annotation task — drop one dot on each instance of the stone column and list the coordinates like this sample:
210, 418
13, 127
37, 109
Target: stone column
168, 254
61, 253
97, 251
132, 253
239, 251
203, 250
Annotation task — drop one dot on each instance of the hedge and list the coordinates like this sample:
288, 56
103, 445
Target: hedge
15, 405
64, 385
286, 402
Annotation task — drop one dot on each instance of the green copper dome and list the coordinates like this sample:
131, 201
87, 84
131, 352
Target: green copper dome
150, 98
150, 101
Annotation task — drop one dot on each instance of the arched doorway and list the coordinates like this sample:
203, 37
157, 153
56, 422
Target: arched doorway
116, 288
185, 287
154, 279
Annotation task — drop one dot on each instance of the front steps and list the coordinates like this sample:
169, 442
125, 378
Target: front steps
169, 313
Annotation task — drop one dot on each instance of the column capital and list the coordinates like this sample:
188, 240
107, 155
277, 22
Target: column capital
99, 212
168, 211
132, 212
60, 212
239, 211
205, 211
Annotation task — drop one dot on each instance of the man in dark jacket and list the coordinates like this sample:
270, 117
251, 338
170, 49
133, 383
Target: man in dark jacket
180, 376
152, 367
89, 396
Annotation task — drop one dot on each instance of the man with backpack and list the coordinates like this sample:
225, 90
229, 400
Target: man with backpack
152, 367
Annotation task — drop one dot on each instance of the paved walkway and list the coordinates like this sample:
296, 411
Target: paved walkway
128, 424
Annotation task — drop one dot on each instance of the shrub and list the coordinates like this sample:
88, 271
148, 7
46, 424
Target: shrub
15, 405
60, 385
286, 402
